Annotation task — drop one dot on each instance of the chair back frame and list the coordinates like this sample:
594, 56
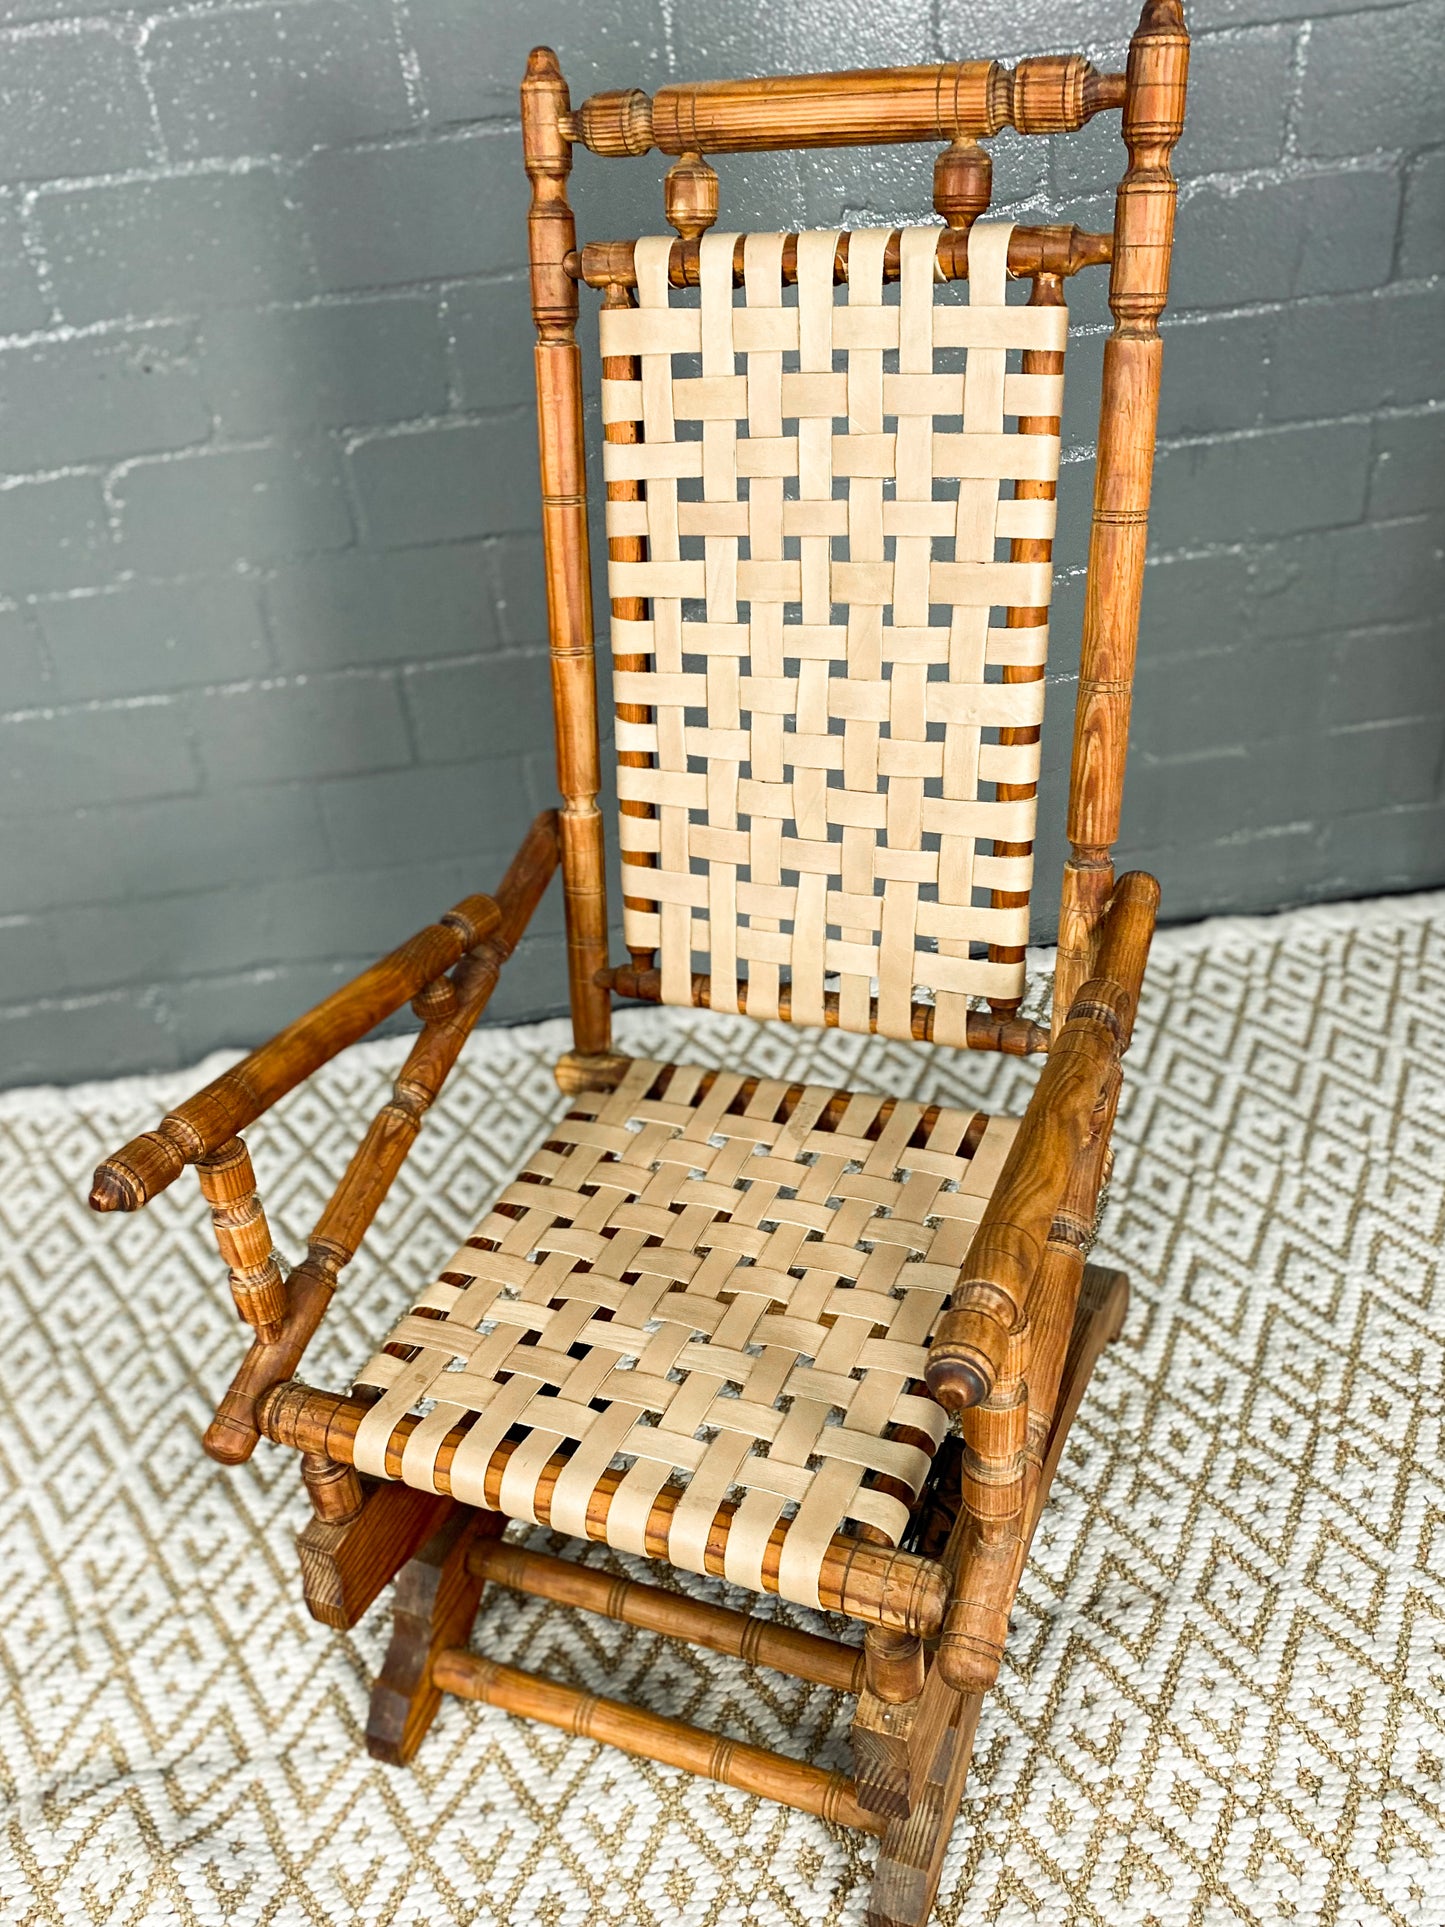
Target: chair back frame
960, 103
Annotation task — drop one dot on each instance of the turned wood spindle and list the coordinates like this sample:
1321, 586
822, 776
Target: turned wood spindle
651, 1736
760, 1642
335, 1489
1044, 94
243, 1237
435, 1001
230, 1103
232, 1435
1153, 120
962, 182
995, 1433
551, 237
1057, 250
895, 1665
690, 196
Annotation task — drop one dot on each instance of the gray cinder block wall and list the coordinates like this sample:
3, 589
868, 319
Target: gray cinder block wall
271, 639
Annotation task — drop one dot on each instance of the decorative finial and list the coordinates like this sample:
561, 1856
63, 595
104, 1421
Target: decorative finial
962, 182
690, 195
1162, 16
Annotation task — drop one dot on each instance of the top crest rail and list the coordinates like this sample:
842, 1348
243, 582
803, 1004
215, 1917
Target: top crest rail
954, 100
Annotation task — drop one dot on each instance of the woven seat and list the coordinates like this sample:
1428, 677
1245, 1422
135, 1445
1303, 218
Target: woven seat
701, 1281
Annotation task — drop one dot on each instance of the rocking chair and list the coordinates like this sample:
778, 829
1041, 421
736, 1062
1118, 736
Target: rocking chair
720, 1320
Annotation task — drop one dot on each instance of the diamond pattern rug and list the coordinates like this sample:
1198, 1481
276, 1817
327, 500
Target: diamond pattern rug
1224, 1698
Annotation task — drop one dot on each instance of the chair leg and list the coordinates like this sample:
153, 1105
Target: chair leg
921, 1796
436, 1603
346, 1561
910, 1854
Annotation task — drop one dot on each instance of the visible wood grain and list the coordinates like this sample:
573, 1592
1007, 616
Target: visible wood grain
761, 1642
229, 1103
690, 196
1153, 120
650, 1736
1032, 250
1047, 94
991, 1558
883, 1721
1126, 931
972, 1337
435, 1000
345, 1565
962, 183
335, 1489
966, 1357
552, 235
880, 1737
898, 1746
910, 1856
1015, 1036
895, 1665
575, 1073
870, 1583
934, 1736
379, 1157
1014, 1309
243, 1237
232, 1436
437, 1593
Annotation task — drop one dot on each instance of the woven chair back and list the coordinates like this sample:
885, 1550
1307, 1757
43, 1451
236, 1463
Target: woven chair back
831, 744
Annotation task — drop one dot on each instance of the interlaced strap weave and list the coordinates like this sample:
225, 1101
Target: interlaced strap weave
688, 1284
823, 535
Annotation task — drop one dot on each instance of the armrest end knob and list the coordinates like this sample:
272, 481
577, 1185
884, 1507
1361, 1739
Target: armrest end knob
136, 1173
959, 1378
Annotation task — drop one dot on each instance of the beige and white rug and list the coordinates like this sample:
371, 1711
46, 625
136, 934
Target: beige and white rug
1224, 1700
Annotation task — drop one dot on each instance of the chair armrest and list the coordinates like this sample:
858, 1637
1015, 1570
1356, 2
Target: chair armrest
966, 1356
143, 1168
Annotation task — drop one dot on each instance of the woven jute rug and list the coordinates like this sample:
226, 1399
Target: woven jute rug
1224, 1698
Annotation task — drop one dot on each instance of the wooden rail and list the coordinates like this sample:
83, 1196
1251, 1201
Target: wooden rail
1015, 1036
232, 1435
871, 1583
826, 1662
551, 237
950, 100
650, 1736
972, 1344
1061, 251
144, 1167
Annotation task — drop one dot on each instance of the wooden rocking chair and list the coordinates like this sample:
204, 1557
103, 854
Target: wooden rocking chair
721, 1320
